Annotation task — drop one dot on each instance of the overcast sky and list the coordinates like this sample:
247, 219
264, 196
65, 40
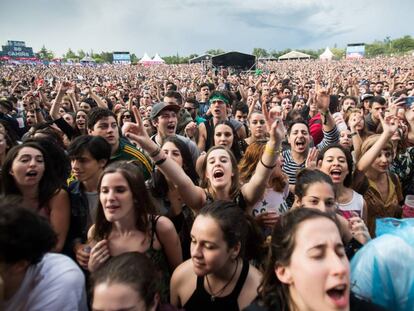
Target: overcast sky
194, 26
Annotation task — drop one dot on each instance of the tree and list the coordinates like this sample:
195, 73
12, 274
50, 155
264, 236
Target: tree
403, 44
45, 54
134, 58
81, 54
70, 55
338, 53
259, 52
376, 48
107, 57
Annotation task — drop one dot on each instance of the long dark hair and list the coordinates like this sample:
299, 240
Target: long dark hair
49, 184
272, 292
159, 185
308, 177
235, 147
235, 182
143, 206
237, 227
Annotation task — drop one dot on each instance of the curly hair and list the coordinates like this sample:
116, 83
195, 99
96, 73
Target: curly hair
247, 166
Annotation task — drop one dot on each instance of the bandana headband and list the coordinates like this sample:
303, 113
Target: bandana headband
218, 97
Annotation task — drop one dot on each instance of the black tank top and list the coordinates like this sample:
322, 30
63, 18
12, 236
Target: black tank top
210, 134
200, 300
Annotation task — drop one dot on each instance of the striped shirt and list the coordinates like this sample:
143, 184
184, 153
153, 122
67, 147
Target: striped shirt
291, 168
127, 152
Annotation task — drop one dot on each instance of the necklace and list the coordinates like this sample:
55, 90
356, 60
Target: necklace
213, 296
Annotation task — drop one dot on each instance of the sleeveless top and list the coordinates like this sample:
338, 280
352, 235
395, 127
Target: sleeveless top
159, 259
355, 205
201, 300
210, 134
238, 199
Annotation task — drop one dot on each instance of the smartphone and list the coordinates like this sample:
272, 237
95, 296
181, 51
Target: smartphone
409, 101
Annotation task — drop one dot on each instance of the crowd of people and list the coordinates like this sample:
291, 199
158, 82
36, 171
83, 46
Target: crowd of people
182, 187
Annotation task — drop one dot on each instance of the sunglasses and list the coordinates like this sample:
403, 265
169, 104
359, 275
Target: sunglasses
126, 116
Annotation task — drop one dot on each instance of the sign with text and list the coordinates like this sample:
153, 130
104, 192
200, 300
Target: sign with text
17, 49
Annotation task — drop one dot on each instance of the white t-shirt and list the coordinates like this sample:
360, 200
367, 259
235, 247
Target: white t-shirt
56, 283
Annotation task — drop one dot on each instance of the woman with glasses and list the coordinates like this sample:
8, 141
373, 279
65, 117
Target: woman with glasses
124, 116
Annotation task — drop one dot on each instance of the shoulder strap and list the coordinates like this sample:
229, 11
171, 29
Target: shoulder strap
210, 133
154, 220
242, 279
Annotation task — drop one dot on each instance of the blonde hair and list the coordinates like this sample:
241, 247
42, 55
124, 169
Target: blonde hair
370, 141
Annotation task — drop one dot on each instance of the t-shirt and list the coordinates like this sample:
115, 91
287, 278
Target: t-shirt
55, 283
127, 152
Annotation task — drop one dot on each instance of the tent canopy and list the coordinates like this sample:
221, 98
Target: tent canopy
328, 55
235, 59
87, 59
157, 59
145, 58
294, 55
199, 59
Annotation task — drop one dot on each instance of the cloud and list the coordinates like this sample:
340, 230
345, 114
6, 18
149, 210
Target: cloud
194, 26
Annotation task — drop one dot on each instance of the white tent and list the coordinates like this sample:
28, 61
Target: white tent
157, 59
294, 55
87, 60
327, 55
145, 59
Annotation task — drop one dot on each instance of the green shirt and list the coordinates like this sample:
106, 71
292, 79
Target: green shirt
128, 152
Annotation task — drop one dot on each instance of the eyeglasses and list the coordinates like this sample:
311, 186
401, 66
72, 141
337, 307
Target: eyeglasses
126, 116
307, 86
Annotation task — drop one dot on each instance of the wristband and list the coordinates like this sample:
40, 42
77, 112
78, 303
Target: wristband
267, 166
159, 162
38, 109
354, 133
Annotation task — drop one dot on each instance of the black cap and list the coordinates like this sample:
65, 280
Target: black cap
159, 107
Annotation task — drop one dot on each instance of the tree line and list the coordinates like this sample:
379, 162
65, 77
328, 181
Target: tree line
385, 47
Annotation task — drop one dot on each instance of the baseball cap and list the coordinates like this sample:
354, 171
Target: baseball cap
159, 107
366, 96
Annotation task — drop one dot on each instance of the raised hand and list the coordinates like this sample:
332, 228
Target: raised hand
389, 124
136, 132
322, 100
277, 132
312, 158
358, 229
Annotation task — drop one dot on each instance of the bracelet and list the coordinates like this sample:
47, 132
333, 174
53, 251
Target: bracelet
267, 166
270, 151
159, 162
37, 109
155, 153
354, 133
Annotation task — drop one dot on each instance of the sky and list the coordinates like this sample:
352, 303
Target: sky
189, 27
